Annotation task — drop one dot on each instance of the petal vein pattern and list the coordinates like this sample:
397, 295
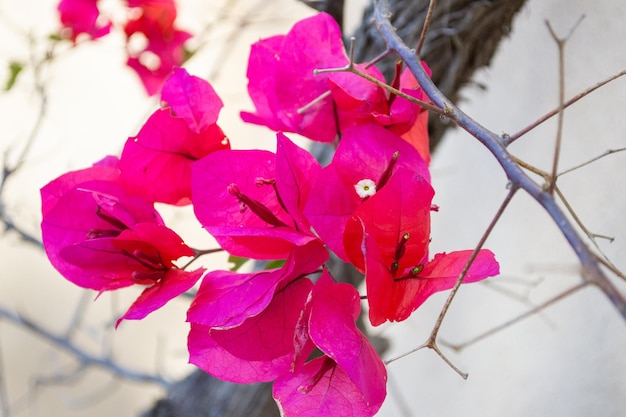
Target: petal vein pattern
251, 201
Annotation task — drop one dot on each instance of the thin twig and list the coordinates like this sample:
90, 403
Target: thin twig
431, 343
603, 258
512, 138
405, 354
606, 153
592, 236
8, 168
83, 357
427, 20
353, 69
197, 253
78, 314
508, 323
560, 42
478, 247
590, 267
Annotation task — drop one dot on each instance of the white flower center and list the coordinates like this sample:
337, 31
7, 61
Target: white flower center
365, 188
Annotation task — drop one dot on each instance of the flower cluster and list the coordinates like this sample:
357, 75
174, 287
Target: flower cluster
154, 44
100, 228
292, 323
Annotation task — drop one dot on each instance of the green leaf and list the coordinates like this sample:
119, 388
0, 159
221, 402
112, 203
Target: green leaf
237, 262
14, 70
55, 37
275, 264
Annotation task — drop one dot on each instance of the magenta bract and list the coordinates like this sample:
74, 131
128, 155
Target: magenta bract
191, 99
164, 51
259, 349
287, 95
83, 17
156, 164
251, 201
350, 379
99, 237
364, 153
226, 299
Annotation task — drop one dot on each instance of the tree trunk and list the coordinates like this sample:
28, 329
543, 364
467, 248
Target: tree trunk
463, 36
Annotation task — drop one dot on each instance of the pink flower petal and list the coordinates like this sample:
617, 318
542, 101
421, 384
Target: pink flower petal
192, 99
105, 170
174, 283
332, 328
251, 200
261, 348
401, 207
365, 152
320, 388
83, 16
88, 211
226, 299
286, 93
156, 164
155, 21
296, 170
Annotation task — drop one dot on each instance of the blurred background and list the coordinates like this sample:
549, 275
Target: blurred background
565, 361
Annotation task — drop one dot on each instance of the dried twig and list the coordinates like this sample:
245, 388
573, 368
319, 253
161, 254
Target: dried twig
560, 42
590, 267
84, 358
594, 159
512, 138
460, 346
427, 20
431, 343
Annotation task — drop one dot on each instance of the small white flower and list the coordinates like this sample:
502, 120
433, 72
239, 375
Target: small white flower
365, 188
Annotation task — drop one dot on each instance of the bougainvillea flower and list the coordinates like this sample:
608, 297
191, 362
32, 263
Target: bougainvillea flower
226, 299
154, 20
394, 296
289, 96
106, 169
251, 201
359, 101
156, 164
244, 326
286, 93
261, 348
401, 208
349, 380
367, 152
416, 131
192, 99
99, 237
82, 17
394, 226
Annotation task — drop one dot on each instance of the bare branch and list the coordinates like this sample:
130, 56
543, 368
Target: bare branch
512, 138
427, 20
602, 258
560, 42
606, 153
353, 69
85, 359
590, 268
508, 323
